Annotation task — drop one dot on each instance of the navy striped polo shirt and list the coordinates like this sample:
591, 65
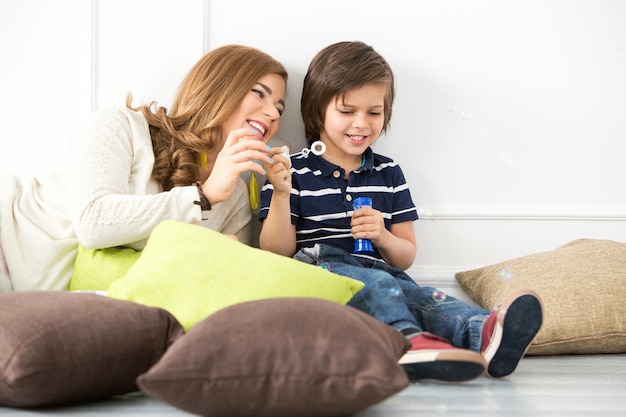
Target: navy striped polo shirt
321, 198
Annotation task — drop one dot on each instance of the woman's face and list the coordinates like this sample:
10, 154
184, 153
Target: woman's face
261, 108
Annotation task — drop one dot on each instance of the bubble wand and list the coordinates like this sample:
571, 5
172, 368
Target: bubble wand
317, 148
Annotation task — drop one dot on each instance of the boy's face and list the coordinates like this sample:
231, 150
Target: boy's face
354, 122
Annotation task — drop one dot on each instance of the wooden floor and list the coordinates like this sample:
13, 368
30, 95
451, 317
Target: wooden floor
590, 385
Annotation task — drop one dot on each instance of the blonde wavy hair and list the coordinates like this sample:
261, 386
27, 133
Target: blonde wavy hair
207, 97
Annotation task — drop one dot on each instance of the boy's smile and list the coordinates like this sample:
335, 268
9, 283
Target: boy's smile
352, 123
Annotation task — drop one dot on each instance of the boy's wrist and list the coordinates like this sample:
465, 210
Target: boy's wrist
281, 193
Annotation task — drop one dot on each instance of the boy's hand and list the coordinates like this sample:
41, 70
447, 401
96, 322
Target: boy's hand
368, 223
278, 172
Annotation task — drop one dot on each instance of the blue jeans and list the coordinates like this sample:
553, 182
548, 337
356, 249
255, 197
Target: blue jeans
393, 297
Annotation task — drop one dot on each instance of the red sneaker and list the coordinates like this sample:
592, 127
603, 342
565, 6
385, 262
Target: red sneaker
509, 330
432, 357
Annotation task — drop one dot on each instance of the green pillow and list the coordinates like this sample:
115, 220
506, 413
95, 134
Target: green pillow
96, 269
192, 272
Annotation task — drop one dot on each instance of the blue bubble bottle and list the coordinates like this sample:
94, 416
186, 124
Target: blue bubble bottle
362, 245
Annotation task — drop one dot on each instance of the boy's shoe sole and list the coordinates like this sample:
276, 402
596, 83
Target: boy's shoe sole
445, 365
513, 333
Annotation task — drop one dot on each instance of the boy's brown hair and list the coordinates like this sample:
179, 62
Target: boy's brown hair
337, 69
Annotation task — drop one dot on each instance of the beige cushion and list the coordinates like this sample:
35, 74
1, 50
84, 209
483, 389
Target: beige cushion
583, 288
281, 357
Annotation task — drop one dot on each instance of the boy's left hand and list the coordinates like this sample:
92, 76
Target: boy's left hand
367, 223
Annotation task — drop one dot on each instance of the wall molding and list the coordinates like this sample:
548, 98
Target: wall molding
524, 213
436, 276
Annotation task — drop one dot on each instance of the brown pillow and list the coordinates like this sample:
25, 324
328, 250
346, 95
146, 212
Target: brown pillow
63, 347
583, 288
281, 357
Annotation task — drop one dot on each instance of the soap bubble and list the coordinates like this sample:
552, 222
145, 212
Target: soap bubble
506, 275
439, 296
501, 311
423, 213
506, 159
395, 291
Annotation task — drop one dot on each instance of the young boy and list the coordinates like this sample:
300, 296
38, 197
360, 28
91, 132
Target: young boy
307, 211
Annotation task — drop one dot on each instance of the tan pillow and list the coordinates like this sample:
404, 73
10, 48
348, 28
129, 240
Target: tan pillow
583, 288
278, 357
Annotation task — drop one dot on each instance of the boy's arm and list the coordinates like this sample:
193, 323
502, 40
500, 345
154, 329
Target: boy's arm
278, 235
398, 247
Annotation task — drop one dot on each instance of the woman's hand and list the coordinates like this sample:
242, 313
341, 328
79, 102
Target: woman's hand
240, 151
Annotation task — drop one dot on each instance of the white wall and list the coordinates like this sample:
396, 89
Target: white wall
45, 79
510, 119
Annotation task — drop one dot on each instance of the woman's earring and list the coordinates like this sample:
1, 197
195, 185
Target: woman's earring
253, 192
203, 160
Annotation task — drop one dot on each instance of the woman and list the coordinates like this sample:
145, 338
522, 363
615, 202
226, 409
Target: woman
131, 168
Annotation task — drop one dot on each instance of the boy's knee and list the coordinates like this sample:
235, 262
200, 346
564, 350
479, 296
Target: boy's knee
381, 279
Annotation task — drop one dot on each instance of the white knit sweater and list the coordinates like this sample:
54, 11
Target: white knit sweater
105, 198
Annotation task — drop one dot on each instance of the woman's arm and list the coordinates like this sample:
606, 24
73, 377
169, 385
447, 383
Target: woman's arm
113, 199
